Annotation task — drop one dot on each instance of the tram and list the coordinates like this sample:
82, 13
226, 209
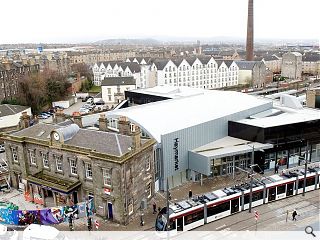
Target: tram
209, 207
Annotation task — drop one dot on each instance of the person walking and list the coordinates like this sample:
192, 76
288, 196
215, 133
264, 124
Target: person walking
294, 214
276, 168
154, 206
190, 193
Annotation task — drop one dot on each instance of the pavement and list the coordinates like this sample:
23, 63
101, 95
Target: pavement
179, 193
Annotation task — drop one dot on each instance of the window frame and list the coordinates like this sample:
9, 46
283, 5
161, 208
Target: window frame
107, 176
58, 158
32, 157
75, 166
45, 158
87, 170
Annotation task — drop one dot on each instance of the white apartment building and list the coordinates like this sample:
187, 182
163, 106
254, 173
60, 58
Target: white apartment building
198, 72
115, 69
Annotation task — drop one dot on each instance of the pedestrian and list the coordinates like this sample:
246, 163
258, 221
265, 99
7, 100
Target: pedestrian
276, 168
89, 224
169, 195
190, 193
294, 214
159, 209
154, 205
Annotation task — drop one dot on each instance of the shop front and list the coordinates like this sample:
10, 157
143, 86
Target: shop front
50, 191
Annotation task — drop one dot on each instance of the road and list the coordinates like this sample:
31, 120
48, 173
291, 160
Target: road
273, 216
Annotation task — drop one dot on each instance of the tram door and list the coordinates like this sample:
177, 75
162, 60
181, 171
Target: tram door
272, 194
234, 205
289, 189
180, 224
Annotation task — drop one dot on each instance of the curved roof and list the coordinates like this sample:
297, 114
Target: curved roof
68, 132
160, 118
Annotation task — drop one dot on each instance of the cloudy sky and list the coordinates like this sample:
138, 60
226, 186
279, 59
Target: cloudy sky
62, 21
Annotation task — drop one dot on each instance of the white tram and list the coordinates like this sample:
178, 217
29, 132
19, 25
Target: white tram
199, 210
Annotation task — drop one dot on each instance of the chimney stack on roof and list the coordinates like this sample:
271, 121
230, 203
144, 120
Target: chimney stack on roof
136, 137
249, 44
24, 120
77, 119
59, 116
103, 123
124, 125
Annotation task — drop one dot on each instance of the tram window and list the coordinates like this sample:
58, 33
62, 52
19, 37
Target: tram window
300, 183
218, 209
310, 181
172, 224
281, 189
193, 217
246, 199
257, 196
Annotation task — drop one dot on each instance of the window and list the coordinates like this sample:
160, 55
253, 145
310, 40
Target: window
106, 173
281, 189
193, 217
32, 156
45, 160
109, 90
218, 209
58, 160
15, 154
148, 163
73, 166
88, 167
130, 206
149, 190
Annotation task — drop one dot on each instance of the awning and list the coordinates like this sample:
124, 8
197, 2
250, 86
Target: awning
53, 183
200, 158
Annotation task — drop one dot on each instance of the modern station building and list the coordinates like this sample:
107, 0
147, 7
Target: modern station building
210, 133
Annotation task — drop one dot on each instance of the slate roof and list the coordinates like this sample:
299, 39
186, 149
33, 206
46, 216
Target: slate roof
133, 66
7, 109
103, 142
228, 62
161, 63
219, 62
204, 59
114, 81
311, 57
246, 65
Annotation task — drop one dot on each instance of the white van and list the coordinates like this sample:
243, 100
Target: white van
35, 231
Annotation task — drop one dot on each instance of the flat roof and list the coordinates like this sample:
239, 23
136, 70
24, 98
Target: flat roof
289, 116
167, 116
170, 91
229, 146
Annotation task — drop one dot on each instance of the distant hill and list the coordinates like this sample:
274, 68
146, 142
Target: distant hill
147, 41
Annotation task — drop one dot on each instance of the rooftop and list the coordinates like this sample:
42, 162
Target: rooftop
160, 118
7, 109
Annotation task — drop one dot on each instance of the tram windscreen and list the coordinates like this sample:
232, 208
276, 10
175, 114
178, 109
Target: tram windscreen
161, 220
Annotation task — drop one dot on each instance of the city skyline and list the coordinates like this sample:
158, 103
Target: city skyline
82, 21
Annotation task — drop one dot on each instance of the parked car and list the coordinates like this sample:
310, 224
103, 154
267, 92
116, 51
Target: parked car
86, 98
41, 116
45, 114
84, 110
2, 149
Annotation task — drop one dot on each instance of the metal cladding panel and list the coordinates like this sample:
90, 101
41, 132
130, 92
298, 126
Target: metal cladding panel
199, 163
176, 145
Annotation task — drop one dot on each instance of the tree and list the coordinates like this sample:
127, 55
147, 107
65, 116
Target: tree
32, 91
83, 69
39, 89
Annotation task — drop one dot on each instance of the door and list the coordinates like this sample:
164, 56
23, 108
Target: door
289, 189
75, 197
272, 194
234, 205
180, 224
110, 211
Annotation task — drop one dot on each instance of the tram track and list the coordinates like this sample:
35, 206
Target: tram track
264, 213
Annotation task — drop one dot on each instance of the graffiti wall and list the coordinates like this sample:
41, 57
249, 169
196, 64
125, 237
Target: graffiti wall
45, 216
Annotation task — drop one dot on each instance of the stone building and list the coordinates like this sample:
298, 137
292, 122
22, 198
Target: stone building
313, 98
252, 73
291, 66
58, 164
10, 74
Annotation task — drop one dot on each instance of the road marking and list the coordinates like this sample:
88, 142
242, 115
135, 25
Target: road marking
218, 228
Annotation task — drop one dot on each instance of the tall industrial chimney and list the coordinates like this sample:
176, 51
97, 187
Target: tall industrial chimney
249, 47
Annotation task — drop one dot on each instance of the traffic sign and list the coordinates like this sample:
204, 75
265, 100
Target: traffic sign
97, 224
256, 215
